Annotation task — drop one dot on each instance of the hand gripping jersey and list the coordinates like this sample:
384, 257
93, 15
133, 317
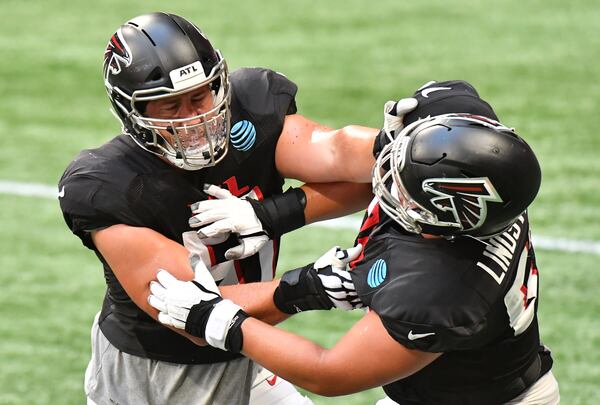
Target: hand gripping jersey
120, 183
474, 300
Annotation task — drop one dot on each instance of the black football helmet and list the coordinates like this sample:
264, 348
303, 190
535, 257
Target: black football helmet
159, 55
456, 174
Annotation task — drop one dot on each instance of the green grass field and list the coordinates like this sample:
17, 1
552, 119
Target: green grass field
535, 61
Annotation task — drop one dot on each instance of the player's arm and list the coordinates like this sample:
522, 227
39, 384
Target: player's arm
333, 163
135, 253
333, 200
366, 357
314, 153
321, 285
256, 222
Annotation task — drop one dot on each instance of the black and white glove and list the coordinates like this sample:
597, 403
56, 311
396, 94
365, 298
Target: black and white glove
393, 121
229, 214
197, 307
323, 284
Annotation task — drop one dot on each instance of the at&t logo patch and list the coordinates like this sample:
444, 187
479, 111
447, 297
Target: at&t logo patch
377, 273
243, 135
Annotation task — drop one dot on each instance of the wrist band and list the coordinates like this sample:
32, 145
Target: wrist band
281, 213
301, 290
223, 328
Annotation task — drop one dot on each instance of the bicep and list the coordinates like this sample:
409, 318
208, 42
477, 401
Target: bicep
312, 152
135, 254
367, 356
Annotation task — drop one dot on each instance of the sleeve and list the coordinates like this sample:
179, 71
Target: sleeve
419, 305
266, 95
88, 203
421, 318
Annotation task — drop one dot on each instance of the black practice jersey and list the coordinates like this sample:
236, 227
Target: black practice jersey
120, 183
475, 300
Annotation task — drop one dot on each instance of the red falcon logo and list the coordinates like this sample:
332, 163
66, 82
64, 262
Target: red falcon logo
117, 54
465, 199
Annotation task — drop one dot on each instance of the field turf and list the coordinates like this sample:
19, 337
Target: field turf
535, 61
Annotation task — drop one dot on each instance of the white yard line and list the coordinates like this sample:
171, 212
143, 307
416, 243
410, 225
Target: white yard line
28, 189
543, 242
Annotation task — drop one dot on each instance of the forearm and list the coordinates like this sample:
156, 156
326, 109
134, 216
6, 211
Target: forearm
294, 358
332, 200
256, 299
365, 357
283, 213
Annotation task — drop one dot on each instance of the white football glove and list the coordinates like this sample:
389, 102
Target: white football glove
197, 307
174, 298
332, 269
393, 115
225, 215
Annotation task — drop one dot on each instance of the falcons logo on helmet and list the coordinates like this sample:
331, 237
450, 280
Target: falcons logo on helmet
465, 199
117, 52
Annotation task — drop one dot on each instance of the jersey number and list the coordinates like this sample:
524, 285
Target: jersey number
520, 298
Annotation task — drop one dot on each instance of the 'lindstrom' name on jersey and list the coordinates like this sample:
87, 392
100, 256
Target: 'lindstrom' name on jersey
500, 250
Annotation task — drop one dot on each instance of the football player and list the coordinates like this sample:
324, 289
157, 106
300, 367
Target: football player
187, 122
448, 273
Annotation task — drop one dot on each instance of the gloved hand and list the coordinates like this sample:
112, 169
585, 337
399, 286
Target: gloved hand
393, 117
197, 307
321, 285
229, 214
332, 269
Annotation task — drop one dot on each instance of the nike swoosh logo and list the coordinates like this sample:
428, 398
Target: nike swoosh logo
425, 92
272, 381
61, 193
415, 336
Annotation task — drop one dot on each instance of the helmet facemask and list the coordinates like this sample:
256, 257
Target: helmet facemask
190, 143
393, 197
